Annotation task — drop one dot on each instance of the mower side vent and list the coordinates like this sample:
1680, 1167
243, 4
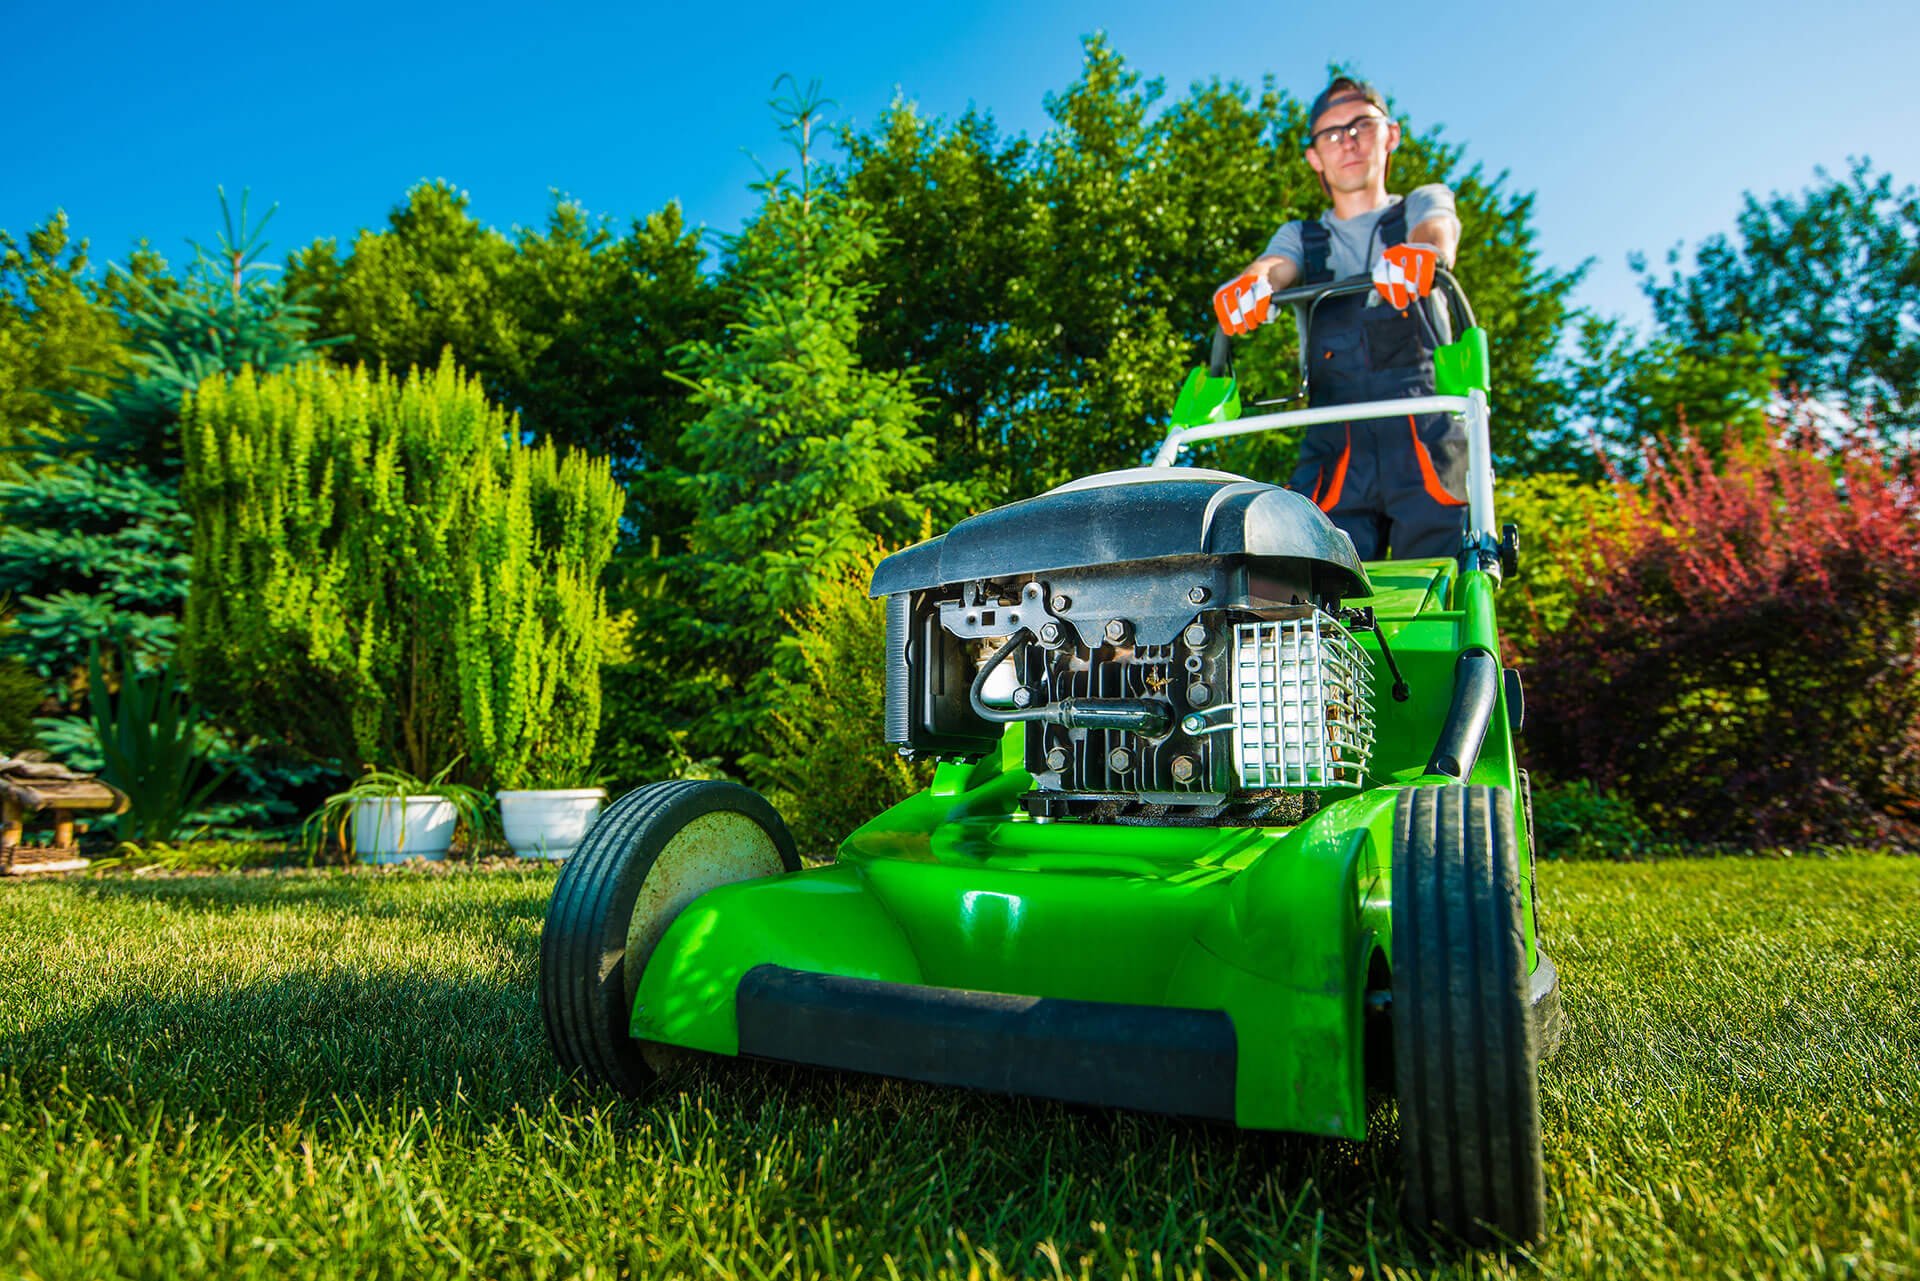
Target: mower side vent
1302, 714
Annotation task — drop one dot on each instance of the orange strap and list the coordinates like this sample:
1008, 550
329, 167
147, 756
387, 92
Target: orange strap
1429, 478
1331, 498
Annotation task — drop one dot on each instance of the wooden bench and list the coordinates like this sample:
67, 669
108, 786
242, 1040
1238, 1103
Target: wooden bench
34, 788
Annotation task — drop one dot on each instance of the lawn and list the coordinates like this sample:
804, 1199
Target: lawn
343, 1074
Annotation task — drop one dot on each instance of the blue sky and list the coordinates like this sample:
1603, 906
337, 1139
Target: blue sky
1637, 124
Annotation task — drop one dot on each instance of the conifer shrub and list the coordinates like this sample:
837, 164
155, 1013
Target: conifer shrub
1741, 660
827, 765
385, 575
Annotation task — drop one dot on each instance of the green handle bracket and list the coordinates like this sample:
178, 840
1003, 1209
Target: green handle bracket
1462, 365
1206, 399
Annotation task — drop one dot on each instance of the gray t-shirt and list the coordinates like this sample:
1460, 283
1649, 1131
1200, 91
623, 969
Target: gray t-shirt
1353, 245
1353, 249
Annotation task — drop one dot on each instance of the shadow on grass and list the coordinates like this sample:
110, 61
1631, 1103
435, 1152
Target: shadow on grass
299, 1044
897, 1166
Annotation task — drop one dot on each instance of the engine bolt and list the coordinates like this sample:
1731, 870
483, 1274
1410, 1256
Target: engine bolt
1061, 601
1183, 769
1119, 760
1050, 633
1198, 596
1116, 630
1057, 759
1195, 635
1198, 694
1022, 696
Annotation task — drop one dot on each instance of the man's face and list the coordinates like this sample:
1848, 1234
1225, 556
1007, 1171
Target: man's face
1357, 162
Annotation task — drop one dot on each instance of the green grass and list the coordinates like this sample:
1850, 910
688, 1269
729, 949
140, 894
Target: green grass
343, 1074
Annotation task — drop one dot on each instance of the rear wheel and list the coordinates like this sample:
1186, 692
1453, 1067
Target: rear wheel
643, 861
1464, 1052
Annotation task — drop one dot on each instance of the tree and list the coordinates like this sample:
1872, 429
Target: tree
58, 334
92, 543
1628, 391
434, 279
800, 456
569, 326
1056, 291
1829, 280
93, 546
385, 574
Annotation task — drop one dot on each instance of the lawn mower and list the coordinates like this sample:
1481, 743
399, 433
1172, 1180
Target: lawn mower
1223, 822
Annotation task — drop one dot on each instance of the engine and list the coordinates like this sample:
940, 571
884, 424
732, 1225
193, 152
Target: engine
1171, 643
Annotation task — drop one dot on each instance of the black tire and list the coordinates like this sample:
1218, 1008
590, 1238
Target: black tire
587, 977
1465, 1062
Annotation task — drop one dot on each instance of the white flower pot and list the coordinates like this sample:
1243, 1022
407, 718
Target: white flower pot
548, 824
393, 829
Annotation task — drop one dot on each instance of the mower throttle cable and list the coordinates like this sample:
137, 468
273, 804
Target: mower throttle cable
1364, 620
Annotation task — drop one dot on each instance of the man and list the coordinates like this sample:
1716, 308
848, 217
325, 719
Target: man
1396, 486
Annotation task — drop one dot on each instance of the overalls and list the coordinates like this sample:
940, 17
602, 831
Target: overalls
1394, 485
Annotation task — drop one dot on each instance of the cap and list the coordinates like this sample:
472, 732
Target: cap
1344, 89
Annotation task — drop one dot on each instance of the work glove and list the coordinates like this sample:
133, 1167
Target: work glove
1405, 272
1242, 305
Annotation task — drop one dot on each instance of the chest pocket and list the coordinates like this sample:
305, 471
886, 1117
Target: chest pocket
1339, 365
1396, 342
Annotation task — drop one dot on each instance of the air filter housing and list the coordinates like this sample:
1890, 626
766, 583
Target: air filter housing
1302, 713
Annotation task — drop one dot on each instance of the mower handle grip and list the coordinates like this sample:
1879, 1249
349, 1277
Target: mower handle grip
1220, 360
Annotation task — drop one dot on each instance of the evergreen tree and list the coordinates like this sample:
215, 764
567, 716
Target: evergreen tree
384, 574
93, 546
800, 456
92, 543
59, 334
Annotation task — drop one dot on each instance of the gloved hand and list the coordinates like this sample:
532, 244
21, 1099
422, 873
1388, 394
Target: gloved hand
1405, 272
1242, 305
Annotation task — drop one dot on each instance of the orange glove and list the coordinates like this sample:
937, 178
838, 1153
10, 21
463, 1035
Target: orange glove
1405, 272
1242, 305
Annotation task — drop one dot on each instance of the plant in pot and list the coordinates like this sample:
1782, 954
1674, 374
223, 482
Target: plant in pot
389, 816
545, 820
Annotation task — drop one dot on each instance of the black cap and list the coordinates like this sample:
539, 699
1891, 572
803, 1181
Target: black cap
1343, 89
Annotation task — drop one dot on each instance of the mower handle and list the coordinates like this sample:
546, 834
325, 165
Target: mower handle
1220, 360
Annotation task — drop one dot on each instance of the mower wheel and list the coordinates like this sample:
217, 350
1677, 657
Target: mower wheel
1464, 1058
648, 856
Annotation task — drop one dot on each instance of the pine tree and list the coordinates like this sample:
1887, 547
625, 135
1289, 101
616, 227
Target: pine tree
801, 456
93, 547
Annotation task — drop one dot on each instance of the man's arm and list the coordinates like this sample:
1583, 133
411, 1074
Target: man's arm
1281, 272
1442, 232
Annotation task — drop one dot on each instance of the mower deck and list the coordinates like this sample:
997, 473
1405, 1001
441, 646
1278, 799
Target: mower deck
1209, 971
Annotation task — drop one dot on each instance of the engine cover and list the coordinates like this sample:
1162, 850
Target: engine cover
1166, 641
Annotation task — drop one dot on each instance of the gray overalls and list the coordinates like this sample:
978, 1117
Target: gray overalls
1395, 485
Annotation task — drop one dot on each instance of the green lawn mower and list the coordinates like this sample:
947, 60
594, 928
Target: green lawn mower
1223, 822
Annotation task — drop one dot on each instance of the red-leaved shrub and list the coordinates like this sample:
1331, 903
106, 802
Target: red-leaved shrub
1742, 659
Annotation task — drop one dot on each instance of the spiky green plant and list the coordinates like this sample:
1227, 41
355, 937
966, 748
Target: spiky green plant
151, 749
384, 574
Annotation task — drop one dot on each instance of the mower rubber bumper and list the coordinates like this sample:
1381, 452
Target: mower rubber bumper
1149, 1058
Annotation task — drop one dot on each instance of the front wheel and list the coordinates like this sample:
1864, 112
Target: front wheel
1464, 1043
642, 862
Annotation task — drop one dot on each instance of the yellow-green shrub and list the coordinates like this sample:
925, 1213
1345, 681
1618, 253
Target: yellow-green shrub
385, 575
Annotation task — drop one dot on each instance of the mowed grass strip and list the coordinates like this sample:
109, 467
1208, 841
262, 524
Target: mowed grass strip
337, 1074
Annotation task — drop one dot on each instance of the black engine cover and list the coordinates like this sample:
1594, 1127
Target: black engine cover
1147, 513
